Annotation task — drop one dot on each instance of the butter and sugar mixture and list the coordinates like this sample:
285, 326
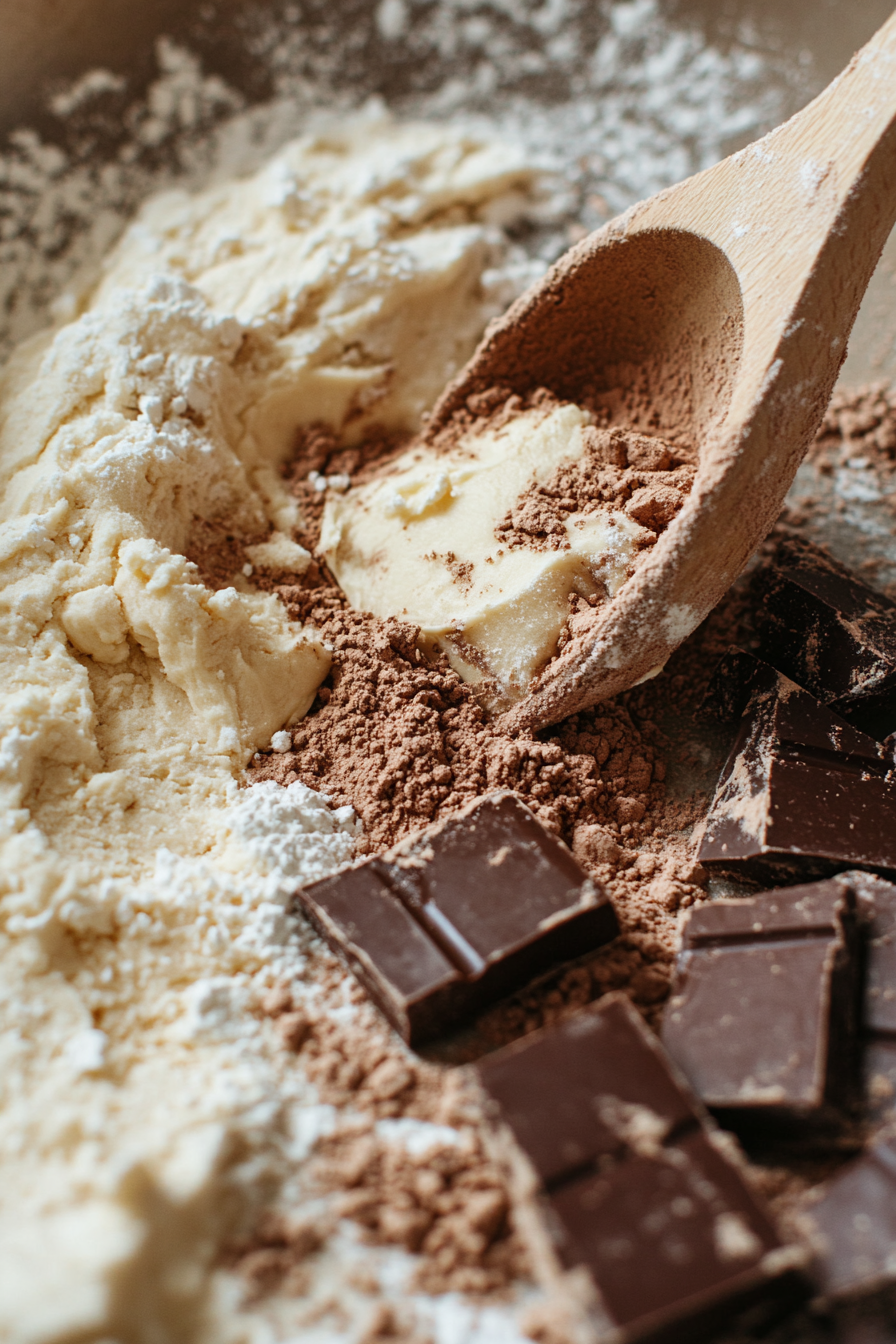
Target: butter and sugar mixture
428, 540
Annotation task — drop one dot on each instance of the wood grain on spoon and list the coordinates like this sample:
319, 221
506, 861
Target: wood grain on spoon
716, 314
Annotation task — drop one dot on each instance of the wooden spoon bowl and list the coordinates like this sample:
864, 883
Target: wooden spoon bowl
716, 314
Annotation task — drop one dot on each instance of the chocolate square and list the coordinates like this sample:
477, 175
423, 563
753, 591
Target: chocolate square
801, 790
831, 633
639, 1190
852, 1223
764, 1013
588, 1080
490, 894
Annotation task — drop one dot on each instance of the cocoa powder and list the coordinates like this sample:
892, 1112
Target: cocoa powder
859, 422
449, 1204
401, 738
618, 470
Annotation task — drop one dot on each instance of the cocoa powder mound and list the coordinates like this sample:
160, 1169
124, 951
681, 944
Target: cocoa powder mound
405, 741
859, 421
449, 1204
645, 477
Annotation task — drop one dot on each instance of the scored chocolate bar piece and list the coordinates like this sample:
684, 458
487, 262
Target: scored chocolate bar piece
830, 633
764, 1013
635, 1185
852, 1223
877, 912
460, 915
801, 790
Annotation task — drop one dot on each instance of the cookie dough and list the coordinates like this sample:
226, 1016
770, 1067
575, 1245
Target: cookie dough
143, 893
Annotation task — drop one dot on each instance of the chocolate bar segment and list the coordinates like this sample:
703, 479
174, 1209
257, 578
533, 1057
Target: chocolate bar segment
764, 1014
460, 915
801, 790
637, 1188
830, 633
877, 912
583, 1086
852, 1223
877, 908
405, 973
496, 878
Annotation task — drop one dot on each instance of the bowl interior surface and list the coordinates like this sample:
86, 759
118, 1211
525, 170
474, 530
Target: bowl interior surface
440, 56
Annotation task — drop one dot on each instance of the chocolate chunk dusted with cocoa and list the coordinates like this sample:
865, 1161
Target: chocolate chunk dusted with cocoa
460, 915
802, 791
637, 1187
877, 911
877, 907
582, 1092
831, 633
739, 676
764, 1013
852, 1223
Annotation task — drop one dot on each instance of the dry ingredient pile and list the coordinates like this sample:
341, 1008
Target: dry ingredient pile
145, 1109
207, 1134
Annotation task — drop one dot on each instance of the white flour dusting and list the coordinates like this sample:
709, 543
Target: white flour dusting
614, 98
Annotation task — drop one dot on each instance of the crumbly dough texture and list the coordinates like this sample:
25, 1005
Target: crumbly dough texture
142, 894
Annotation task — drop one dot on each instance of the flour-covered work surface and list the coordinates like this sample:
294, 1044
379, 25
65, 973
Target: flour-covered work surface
238, 655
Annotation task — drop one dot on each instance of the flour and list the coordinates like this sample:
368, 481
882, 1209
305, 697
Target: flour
616, 100
145, 897
180, 1074
292, 833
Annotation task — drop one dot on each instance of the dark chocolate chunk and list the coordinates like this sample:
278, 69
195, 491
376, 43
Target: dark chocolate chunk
852, 1224
830, 633
637, 1186
879, 1072
599, 1075
801, 790
861, 1329
460, 915
877, 910
764, 1013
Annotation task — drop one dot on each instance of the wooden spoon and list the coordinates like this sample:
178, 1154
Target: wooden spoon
715, 314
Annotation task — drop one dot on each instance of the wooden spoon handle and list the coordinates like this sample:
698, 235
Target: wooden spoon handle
802, 217
816, 194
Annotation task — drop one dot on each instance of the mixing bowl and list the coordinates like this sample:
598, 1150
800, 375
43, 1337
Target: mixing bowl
673, 83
